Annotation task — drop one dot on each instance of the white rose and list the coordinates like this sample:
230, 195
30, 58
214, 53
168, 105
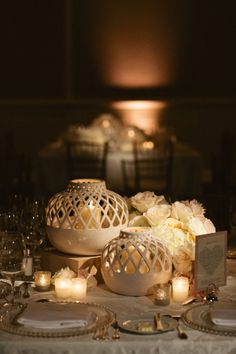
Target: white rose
196, 226
157, 213
133, 214
173, 237
182, 258
143, 201
160, 199
209, 226
181, 211
139, 221
196, 207
63, 273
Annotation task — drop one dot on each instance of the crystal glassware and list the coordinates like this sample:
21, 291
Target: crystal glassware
11, 257
33, 228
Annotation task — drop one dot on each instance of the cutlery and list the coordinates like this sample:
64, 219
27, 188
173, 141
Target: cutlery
97, 335
158, 323
181, 333
105, 332
116, 331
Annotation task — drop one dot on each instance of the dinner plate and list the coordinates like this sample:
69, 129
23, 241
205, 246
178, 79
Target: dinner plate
146, 326
199, 317
89, 316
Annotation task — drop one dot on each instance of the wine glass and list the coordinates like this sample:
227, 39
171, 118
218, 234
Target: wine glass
11, 257
33, 227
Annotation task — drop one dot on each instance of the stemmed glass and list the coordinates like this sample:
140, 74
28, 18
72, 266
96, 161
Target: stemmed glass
11, 251
33, 226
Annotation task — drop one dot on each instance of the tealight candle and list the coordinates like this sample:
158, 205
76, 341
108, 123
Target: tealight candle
180, 289
63, 287
89, 217
162, 294
78, 288
42, 280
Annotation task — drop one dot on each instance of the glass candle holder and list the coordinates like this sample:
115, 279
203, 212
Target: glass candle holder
42, 280
180, 289
63, 287
162, 293
78, 288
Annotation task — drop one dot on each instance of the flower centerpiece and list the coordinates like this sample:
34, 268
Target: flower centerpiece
177, 223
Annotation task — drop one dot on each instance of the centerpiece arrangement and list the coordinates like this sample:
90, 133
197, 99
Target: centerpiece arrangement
177, 224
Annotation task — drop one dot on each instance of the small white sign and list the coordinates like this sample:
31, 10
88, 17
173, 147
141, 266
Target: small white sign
210, 260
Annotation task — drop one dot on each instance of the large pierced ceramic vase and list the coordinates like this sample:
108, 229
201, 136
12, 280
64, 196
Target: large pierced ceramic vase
85, 217
133, 262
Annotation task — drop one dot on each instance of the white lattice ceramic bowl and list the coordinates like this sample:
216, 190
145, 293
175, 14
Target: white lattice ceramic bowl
133, 262
85, 217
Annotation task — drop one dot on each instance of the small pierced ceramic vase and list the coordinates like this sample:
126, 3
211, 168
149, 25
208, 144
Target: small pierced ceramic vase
85, 217
136, 260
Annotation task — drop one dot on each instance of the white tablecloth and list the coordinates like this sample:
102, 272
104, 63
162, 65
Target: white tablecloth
166, 343
51, 172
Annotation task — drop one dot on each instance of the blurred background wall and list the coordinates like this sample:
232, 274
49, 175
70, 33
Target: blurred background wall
65, 61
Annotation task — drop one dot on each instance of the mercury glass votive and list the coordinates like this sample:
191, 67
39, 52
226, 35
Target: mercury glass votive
162, 293
42, 280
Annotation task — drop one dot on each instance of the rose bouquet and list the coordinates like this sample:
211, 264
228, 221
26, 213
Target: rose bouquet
177, 224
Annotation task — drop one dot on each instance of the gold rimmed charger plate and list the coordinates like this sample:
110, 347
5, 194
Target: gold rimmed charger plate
198, 317
98, 315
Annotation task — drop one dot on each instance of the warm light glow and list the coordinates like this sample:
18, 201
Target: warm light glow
180, 289
131, 133
139, 104
148, 145
143, 114
106, 123
63, 287
42, 280
78, 288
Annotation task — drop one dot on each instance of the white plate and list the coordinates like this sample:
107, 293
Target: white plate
90, 314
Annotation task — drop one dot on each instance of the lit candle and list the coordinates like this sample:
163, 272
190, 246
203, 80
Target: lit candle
89, 217
78, 288
131, 133
42, 280
63, 287
148, 145
162, 294
180, 289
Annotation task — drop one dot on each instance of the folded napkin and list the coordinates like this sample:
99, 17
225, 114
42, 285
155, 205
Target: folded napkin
224, 315
54, 315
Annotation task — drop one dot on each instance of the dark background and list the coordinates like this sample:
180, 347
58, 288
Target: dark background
65, 61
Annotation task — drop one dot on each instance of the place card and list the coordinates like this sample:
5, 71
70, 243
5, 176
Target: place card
210, 260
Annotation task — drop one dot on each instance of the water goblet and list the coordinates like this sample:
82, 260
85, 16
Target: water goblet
11, 257
33, 227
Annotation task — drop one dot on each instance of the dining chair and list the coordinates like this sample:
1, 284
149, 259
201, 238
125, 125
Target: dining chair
17, 170
86, 159
150, 168
220, 208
